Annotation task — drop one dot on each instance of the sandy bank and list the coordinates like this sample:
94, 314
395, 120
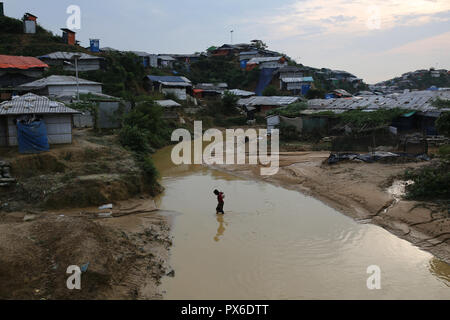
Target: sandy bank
126, 252
360, 190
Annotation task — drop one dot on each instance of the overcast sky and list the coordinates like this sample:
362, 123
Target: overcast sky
376, 40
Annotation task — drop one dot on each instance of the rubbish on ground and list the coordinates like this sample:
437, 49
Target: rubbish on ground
105, 214
84, 267
373, 157
105, 207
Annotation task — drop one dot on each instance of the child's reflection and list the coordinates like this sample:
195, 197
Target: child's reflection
221, 229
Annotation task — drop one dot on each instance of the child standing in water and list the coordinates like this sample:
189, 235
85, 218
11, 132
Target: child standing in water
220, 197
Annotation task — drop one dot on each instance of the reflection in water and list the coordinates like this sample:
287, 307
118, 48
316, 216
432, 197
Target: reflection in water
221, 229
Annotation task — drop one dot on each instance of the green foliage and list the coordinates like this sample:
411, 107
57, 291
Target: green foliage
430, 183
150, 173
145, 127
10, 25
288, 133
134, 139
221, 69
292, 110
270, 91
123, 76
14, 42
444, 152
229, 103
440, 103
315, 94
230, 122
443, 124
360, 119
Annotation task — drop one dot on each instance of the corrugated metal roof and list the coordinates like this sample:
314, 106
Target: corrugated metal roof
33, 104
57, 80
259, 60
168, 103
69, 56
140, 53
416, 100
19, 62
268, 101
168, 79
166, 58
242, 93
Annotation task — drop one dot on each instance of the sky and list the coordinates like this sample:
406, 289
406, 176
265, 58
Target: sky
376, 40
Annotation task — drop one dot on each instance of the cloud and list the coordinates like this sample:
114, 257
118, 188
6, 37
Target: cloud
342, 17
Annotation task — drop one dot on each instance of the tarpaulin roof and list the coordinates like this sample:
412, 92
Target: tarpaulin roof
19, 62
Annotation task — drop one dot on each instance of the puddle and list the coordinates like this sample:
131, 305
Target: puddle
274, 243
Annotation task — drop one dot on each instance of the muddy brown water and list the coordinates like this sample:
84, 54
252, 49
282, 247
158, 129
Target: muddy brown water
274, 243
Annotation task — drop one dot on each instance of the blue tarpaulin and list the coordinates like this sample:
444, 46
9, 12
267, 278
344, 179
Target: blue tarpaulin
265, 77
32, 138
305, 88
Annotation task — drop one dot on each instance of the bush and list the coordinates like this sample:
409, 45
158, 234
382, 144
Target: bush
288, 133
292, 110
360, 119
270, 91
315, 94
150, 173
146, 118
430, 183
440, 103
230, 122
229, 103
134, 139
443, 124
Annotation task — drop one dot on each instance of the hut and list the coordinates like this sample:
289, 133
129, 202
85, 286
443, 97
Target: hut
86, 62
34, 122
62, 85
16, 70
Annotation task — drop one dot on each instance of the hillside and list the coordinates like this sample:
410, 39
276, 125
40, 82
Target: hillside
123, 75
420, 80
14, 42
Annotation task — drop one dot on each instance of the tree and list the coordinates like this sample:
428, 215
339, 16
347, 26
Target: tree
443, 124
270, 91
229, 103
260, 44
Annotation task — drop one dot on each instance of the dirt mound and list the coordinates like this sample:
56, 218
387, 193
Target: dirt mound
92, 171
34, 258
32, 165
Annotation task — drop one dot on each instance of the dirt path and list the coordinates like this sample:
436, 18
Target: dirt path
359, 190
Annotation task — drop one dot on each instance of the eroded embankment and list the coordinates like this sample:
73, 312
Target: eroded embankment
360, 190
92, 171
42, 234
